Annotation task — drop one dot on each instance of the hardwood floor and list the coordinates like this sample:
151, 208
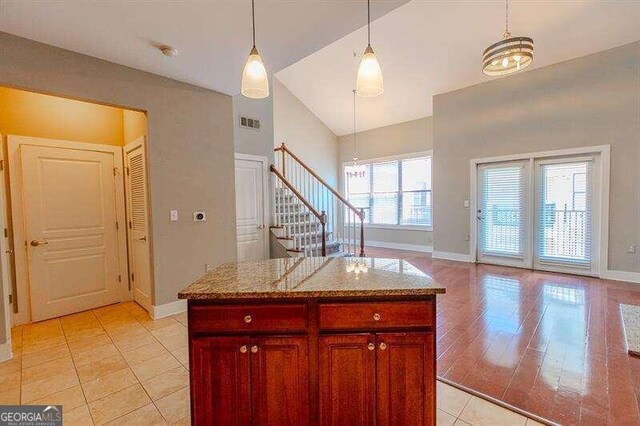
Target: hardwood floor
550, 344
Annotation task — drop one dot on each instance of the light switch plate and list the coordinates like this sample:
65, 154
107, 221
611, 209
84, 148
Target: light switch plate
466, 203
173, 215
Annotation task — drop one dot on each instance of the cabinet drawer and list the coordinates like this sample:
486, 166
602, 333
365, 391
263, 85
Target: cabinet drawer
377, 315
247, 318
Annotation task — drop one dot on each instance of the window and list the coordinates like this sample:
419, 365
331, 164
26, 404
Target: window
392, 192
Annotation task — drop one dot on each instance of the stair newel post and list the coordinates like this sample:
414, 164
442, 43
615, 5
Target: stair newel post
323, 222
283, 151
361, 232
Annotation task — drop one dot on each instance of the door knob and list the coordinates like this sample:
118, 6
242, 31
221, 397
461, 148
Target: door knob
260, 226
143, 238
36, 243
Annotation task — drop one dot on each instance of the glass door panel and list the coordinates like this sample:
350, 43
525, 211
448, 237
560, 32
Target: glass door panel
501, 215
564, 236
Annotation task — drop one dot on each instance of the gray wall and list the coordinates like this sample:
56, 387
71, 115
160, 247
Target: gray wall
593, 100
190, 149
397, 139
248, 141
304, 133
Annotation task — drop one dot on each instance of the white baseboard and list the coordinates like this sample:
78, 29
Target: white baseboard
171, 308
398, 246
632, 277
445, 255
6, 352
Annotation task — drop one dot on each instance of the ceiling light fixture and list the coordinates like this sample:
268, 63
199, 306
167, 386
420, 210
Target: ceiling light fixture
168, 50
355, 172
255, 82
509, 55
369, 81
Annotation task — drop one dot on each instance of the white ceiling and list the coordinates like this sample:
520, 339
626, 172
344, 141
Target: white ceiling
430, 47
213, 37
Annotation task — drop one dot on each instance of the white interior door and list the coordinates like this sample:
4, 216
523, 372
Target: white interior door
70, 219
250, 216
137, 218
566, 196
503, 214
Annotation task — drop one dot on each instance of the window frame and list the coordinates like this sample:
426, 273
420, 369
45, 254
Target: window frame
370, 161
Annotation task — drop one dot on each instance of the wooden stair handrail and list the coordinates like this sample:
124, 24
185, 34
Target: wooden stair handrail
283, 148
321, 217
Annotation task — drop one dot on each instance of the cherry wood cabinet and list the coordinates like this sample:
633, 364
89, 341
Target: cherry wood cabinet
313, 361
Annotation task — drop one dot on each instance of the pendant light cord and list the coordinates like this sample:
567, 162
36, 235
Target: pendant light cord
355, 138
506, 18
368, 22
253, 21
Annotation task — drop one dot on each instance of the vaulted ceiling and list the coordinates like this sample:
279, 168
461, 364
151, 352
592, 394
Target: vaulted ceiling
213, 37
431, 47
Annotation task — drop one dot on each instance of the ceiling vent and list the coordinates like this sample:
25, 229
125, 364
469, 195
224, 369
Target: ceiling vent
250, 123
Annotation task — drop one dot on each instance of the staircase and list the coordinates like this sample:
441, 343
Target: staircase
311, 218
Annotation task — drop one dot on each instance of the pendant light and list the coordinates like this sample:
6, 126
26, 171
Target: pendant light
369, 81
255, 82
509, 55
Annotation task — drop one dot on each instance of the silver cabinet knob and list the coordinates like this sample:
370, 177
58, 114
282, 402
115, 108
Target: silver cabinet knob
383, 346
248, 319
376, 317
243, 349
371, 346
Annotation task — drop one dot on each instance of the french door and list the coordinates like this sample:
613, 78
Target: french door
540, 214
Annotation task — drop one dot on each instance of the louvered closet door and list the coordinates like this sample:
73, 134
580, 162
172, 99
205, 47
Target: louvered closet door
138, 226
564, 231
503, 214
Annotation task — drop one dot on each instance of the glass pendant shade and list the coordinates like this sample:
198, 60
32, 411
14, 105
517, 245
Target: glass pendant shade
507, 56
369, 81
255, 83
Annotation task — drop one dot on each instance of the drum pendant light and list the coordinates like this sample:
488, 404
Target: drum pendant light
509, 55
255, 82
369, 80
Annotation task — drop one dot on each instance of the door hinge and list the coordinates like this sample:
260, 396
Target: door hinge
10, 299
115, 171
129, 224
119, 278
132, 276
117, 225
6, 233
127, 169
1, 164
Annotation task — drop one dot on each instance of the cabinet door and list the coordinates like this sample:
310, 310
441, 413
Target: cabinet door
220, 388
405, 379
280, 380
347, 379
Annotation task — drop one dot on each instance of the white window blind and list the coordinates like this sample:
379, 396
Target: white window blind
394, 192
501, 211
564, 219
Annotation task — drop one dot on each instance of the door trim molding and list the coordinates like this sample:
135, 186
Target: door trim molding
266, 195
603, 209
14, 142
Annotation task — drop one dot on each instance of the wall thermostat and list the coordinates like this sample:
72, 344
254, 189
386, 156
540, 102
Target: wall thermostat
199, 216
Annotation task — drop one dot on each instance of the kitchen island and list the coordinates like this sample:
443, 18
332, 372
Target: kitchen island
298, 341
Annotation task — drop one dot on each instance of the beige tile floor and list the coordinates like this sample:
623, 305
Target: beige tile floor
115, 365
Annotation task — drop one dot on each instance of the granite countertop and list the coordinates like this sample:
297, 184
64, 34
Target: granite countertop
313, 277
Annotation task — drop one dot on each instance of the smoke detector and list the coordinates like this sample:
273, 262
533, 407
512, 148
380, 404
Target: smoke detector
168, 51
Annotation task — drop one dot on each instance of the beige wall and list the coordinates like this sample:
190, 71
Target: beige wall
304, 133
397, 139
190, 149
249, 141
33, 114
588, 101
134, 125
